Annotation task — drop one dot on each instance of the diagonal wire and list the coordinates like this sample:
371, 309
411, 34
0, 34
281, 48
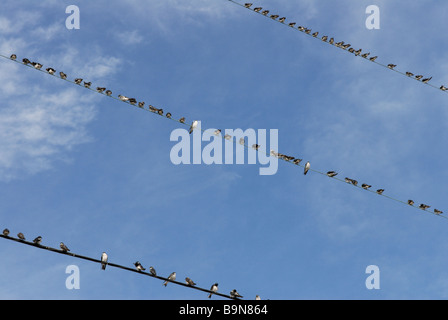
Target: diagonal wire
310, 34
233, 141
110, 264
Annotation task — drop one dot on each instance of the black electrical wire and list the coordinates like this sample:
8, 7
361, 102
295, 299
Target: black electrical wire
110, 264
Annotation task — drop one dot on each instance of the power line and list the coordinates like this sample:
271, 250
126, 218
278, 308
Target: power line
114, 265
338, 44
284, 157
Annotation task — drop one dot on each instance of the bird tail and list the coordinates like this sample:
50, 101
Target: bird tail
103, 266
165, 283
210, 295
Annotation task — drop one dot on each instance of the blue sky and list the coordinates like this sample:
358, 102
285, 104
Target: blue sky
96, 174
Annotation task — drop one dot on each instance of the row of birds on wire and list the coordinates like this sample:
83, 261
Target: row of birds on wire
339, 44
138, 266
194, 124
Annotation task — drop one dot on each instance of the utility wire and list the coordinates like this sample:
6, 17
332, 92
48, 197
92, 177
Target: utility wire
110, 264
308, 32
183, 122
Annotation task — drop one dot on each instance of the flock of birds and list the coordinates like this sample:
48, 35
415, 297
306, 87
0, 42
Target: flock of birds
340, 44
194, 124
138, 266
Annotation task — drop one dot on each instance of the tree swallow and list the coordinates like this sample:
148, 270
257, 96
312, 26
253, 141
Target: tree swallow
103, 260
332, 174
51, 70
307, 167
235, 294
171, 277
139, 266
214, 288
63, 247
190, 282
193, 126
37, 240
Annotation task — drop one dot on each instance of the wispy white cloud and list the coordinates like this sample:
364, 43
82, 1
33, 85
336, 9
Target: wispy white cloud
40, 124
129, 37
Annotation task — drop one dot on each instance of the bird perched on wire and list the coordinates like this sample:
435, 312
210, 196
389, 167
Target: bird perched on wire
380, 191
265, 12
132, 101
87, 84
37, 240
352, 181
391, 65
36, 65
365, 55
20, 236
182, 120
292, 24
152, 271
213, 288
258, 9
63, 247
62, 75
424, 206
366, 186
171, 277
168, 115
307, 168
13, 57
443, 88
141, 104
256, 146
332, 174
235, 294
193, 126
282, 19
6, 232
139, 266
418, 77
409, 74
248, 5
104, 260
78, 80
190, 282
123, 98
411, 202
426, 80
436, 211
373, 58
108, 93
26, 61
100, 89
51, 70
